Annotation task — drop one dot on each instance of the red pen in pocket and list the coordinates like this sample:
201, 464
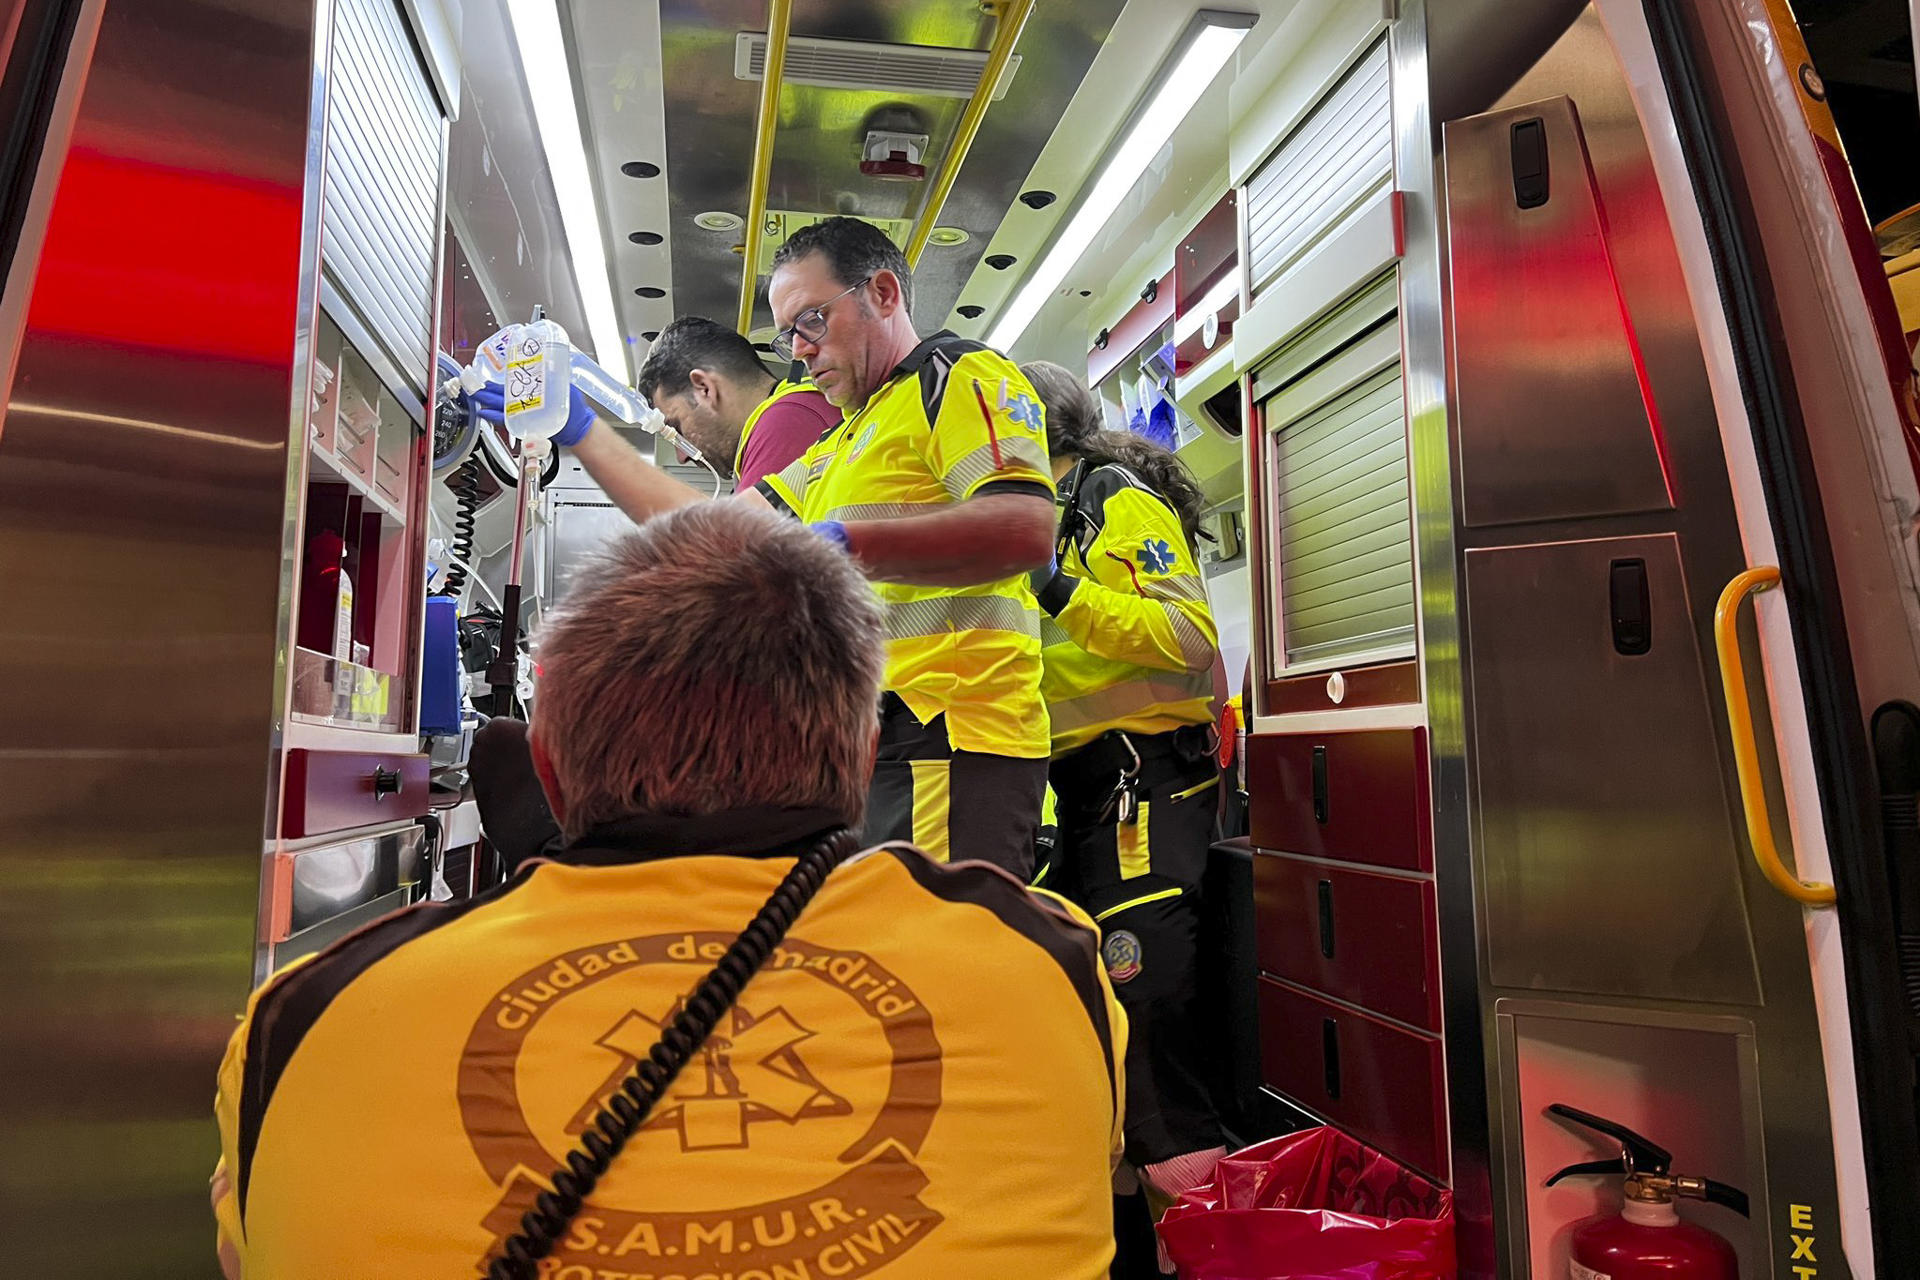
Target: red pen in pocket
993, 437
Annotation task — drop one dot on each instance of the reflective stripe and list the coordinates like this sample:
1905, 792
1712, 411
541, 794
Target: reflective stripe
1136, 852
1194, 645
1178, 796
1129, 696
1052, 633
885, 510
1110, 912
944, 614
932, 804
1181, 586
1015, 452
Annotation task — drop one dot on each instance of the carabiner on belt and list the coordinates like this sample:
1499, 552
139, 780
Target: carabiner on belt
1124, 802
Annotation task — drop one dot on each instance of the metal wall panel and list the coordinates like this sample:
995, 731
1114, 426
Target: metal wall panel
1339, 154
1598, 777
143, 473
1541, 328
381, 224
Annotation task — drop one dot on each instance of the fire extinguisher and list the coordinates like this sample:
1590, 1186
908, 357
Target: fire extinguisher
1647, 1240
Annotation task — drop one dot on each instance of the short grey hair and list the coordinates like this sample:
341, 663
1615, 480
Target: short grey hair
716, 658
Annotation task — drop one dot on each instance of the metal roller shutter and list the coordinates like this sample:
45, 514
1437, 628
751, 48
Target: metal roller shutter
380, 223
1336, 157
1339, 522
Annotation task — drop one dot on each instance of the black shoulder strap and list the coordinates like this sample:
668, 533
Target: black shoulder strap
933, 362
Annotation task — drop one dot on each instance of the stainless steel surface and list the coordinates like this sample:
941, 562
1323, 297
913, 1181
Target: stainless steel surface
1473, 1088
709, 128
143, 473
578, 524
330, 880
1541, 335
1336, 157
1601, 806
381, 222
1618, 1060
1476, 816
334, 928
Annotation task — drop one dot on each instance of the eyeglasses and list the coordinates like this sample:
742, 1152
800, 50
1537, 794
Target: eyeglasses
810, 324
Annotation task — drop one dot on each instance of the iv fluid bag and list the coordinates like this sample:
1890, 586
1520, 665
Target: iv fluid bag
538, 368
623, 402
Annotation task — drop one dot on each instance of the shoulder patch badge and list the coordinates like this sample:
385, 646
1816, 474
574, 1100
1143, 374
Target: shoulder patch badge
1122, 954
1157, 556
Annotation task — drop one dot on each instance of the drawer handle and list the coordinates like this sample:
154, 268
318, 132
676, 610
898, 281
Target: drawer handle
1320, 785
1326, 918
1330, 1056
386, 782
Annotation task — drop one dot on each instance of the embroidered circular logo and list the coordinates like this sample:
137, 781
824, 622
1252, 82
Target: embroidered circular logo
814, 1093
1121, 951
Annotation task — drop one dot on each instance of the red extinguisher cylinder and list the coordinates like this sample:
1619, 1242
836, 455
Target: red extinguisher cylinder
1661, 1246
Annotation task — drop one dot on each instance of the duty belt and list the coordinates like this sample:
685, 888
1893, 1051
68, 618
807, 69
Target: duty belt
1116, 752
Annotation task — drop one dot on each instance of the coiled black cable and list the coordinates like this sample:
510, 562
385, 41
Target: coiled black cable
627, 1109
465, 483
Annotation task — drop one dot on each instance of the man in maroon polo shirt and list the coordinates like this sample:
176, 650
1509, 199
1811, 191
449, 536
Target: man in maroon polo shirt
709, 384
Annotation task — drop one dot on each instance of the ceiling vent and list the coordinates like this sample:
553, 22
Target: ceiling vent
915, 69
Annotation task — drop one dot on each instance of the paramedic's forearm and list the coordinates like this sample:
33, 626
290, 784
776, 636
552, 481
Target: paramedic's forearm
635, 485
984, 539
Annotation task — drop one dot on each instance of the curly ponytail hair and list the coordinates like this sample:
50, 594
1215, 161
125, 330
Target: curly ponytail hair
1077, 428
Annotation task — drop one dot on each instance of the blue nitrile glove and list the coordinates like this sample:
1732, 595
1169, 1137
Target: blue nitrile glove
834, 532
490, 402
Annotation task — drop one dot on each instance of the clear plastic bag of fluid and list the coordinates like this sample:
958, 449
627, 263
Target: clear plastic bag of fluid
489, 364
624, 403
539, 367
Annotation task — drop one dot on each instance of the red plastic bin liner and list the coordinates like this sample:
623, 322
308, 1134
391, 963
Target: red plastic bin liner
1315, 1205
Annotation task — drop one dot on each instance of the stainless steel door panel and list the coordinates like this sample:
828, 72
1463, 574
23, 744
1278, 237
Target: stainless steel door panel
1607, 835
1556, 413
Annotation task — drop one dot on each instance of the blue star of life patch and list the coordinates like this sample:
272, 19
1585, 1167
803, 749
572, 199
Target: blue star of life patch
1026, 412
1156, 556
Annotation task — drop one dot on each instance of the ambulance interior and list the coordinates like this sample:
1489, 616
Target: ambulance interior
1511, 341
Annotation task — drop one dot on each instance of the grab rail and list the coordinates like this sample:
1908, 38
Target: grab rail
1746, 756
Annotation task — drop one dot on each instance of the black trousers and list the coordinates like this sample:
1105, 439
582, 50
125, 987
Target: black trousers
1140, 881
963, 805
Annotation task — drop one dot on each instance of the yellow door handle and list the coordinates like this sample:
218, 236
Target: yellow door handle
1746, 757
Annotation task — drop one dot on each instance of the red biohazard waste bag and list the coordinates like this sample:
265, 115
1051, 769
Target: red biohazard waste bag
1316, 1205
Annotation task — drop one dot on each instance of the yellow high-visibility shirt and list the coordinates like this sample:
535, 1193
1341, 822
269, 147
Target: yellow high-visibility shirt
1130, 640
955, 419
922, 1084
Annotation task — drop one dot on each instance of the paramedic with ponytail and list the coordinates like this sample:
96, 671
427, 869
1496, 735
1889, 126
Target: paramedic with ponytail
1129, 647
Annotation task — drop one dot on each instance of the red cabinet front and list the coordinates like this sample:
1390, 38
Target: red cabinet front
1381, 1083
338, 790
1360, 796
1360, 936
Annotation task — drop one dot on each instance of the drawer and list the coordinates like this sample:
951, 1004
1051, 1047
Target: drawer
1360, 796
336, 790
1384, 1085
1363, 937
318, 894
